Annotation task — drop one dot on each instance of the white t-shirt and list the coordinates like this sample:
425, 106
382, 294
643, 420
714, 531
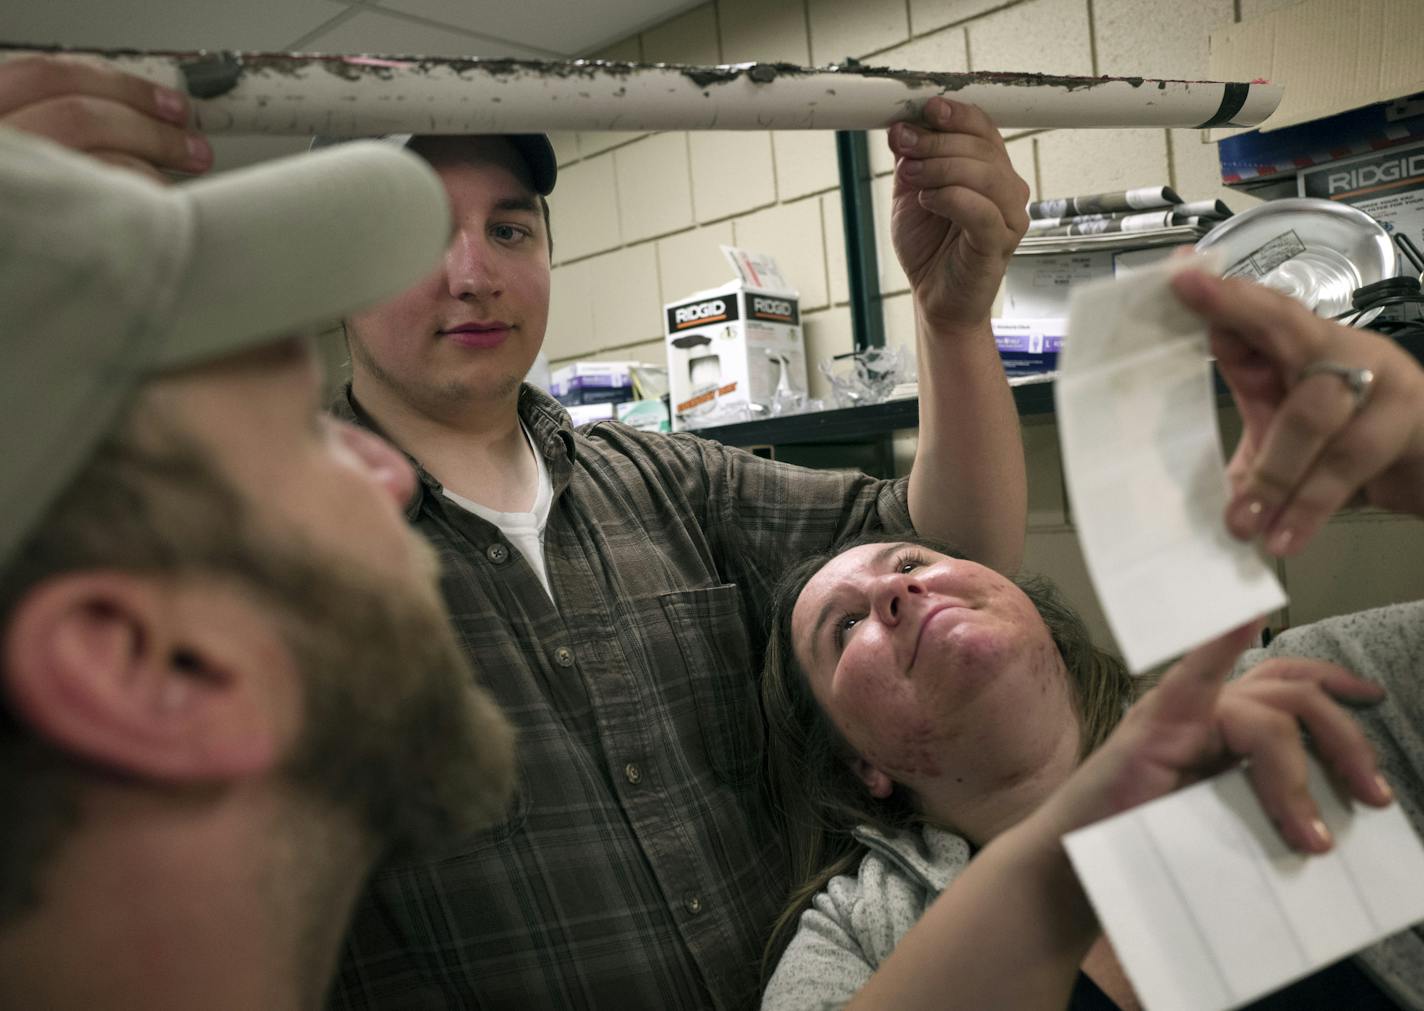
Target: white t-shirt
525, 530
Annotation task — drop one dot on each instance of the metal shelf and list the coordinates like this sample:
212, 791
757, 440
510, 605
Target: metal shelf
850, 424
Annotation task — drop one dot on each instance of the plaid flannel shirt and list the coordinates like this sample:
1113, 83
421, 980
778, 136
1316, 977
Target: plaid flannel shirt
636, 868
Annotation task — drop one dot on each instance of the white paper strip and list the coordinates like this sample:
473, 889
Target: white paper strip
340, 96
1207, 909
1146, 479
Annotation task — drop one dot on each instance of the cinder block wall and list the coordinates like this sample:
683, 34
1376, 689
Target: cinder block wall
638, 217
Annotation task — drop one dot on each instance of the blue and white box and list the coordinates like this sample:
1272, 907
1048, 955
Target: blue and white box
1029, 346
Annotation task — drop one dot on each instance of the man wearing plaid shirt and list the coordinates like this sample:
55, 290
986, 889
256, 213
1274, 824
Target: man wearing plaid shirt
610, 584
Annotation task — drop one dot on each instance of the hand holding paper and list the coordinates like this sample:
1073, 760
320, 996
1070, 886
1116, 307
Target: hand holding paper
1207, 909
1145, 474
1204, 904
1307, 446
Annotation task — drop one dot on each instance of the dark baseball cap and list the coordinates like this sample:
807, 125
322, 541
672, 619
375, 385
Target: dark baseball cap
534, 148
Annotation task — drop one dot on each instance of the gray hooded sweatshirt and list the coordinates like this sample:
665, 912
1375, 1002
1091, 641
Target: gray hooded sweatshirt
856, 921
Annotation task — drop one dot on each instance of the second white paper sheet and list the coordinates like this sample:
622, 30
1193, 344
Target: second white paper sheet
1143, 462
1207, 908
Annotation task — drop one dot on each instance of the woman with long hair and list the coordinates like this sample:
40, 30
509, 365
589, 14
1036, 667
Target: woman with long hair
935, 728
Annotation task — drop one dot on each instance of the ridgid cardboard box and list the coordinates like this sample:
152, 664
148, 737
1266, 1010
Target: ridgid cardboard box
729, 349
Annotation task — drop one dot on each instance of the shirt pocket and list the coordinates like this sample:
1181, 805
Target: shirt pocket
516, 812
709, 627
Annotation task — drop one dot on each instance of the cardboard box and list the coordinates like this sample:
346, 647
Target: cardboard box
1387, 185
592, 383
1330, 55
587, 414
729, 348
1029, 346
1266, 164
645, 415
1036, 286
1125, 261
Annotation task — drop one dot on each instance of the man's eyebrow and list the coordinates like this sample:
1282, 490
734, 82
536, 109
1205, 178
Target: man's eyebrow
517, 204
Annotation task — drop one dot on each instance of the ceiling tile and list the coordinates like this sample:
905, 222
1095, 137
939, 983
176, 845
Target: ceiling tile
371, 31
166, 24
687, 38
551, 25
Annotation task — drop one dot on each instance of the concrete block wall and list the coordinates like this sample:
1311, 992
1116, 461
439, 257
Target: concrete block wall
683, 194
638, 217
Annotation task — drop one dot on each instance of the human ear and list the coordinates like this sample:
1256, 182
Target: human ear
877, 782
120, 671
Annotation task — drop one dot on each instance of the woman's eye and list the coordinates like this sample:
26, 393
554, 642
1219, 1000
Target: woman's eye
908, 563
842, 626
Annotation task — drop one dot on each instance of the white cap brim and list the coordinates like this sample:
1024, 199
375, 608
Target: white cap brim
107, 278
291, 245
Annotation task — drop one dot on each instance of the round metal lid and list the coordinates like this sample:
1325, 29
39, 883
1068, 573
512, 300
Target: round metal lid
1316, 251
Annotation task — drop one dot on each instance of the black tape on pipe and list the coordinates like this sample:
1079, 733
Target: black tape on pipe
1233, 98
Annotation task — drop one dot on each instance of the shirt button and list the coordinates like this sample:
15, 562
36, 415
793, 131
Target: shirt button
564, 656
551, 449
632, 773
692, 903
497, 553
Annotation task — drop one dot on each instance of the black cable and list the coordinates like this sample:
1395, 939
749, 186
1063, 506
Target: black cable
1387, 294
1383, 303
1412, 329
1410, 251
1367, 295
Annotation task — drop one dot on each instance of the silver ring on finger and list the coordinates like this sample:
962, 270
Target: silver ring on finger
1359, 380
